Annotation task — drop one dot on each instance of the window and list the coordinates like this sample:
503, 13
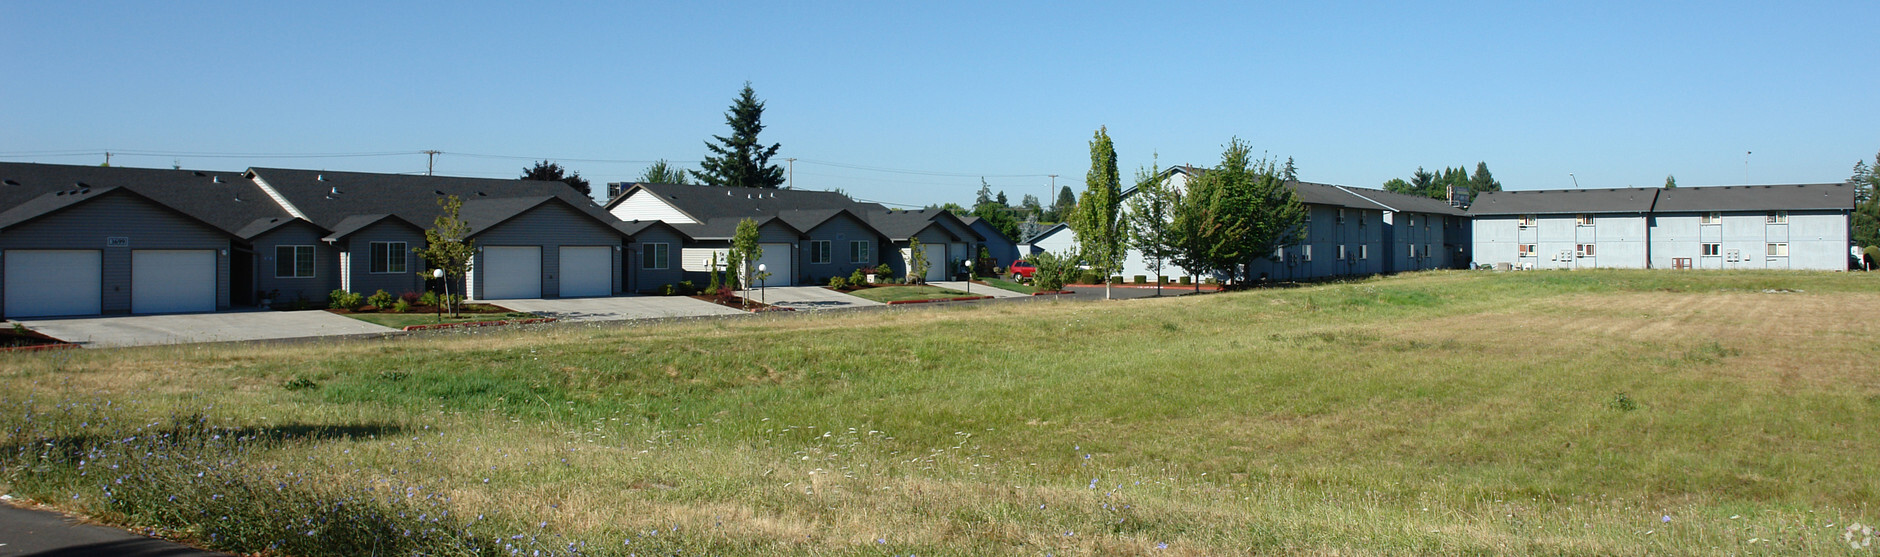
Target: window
819, 251
1527, 221
1711, 218
388, 257
858, 252
1413, 220
1341, 251
1307, 225
1713, 250
1527, 250
1426, 248
1341, 216
1364, 250
1360, 219
654, 255
1583, 219
1305, 252
293, 261
1779, 250
1583, 250
1777, 217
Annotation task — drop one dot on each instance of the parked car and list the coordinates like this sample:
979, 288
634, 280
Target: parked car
1023, 269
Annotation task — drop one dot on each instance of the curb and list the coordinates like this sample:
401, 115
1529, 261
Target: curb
479, 324
1051, 292
959, 299
39, 347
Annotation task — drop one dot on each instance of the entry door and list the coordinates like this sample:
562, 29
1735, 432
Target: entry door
53, 282
587, 271
172, 281
511, 272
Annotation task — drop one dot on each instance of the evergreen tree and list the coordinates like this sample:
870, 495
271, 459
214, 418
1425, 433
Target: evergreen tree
663, 173
739, 160
1061, 208
551, 172
1482, 181
1001, 199
1671, 181
1866, 218
985, 193
1096, 218
1029, 204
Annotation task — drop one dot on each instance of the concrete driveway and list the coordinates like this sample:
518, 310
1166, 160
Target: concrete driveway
143, 330
977, 289
617, 308
803, 298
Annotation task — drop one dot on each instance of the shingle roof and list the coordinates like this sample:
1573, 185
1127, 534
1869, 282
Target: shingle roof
711, 202
224, 200
1405, 202
901, 225
1610, 200
725, 228
329, 198
1793, 197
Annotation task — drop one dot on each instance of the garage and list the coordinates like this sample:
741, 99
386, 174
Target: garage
778, 259
172, 281
511, 272
53, 282
587, 271
936, 261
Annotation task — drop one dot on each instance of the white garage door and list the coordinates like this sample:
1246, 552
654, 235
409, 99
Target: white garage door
777, 260
511, 272
587, 271
936, 261
53, 282
172, 281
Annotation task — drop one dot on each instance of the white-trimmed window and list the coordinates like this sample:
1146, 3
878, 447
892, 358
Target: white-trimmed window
1341, 251
1777, 217
389, 257
1583, 250
293, 261
1583, 219
1361, 218
1305, 252
819, 251
1712, 250
858, 251
1525, 221
1528, 250
1711, 218
655, 256
1364, 250
1413, 220
1426, 250
1779, 250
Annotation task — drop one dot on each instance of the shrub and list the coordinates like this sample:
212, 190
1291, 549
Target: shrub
1185, 280
428, 299
882, 270
838, 283
380, 299
1141, 279
411, 298
686, 288
1053, 270
401, 306
858, 277
1087, 277
341, 299
1118, 279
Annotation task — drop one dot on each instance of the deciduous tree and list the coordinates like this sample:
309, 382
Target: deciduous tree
1150, 221
447, 245
1097, 217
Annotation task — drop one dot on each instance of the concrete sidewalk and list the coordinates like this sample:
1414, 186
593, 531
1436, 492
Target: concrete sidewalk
36, 533
106, 331
977, 289
802, 298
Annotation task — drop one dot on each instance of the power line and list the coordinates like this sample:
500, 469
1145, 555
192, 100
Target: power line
920, 172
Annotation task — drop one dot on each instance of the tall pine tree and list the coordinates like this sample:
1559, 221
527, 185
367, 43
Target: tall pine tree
739, 160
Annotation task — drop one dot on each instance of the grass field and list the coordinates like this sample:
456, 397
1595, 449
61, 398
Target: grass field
1444, 413
885, 294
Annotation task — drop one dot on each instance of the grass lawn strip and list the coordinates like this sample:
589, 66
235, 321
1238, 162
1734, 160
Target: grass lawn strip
1536, 413
1003, 284
402, 320
902, 293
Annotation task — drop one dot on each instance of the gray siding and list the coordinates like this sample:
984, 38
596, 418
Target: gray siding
1002, 250
1816, 240
551, 226
648, 280
838, 231
359, 243
933, 234
1361, 231
325, 277
117, 214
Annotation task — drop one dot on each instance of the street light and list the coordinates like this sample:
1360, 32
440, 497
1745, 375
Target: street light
969, 276
761, 294
439, 274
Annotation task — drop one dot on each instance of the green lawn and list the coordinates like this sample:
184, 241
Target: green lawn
402, 320
885, 294
1437, 413
1009, 285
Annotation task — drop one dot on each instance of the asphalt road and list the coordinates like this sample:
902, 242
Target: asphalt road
35, 533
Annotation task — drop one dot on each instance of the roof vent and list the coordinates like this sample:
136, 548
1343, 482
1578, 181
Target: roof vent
334, 191
238, 197
439, 192
319, 177
481, 194
727, 193
81, 184
217, 179
12, 182
60, 192
199, 174
84, 190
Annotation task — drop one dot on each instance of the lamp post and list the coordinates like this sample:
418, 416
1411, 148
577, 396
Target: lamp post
969, 276
761, 294
439, 274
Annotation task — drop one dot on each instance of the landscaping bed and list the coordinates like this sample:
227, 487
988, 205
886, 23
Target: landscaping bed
432, 315
738, 303
18, 338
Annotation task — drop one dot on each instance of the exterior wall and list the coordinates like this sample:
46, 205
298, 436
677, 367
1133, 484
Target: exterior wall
838, 232
1325, 233
359, 262
1496, 241
997, 246
115, 214
650, 280
1817, 240
1458, 232
643, 205
325, 277
551, 226
897, 263
1619, 240
1409, 236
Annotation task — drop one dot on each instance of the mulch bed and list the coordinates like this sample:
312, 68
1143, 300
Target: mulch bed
27, 340
735, 302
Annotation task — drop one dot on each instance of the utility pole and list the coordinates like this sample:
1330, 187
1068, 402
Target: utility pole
430, 162
107, 159
792, 174
1745, 167
1050, 195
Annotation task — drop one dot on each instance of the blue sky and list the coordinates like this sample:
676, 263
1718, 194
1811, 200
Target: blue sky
1617, 94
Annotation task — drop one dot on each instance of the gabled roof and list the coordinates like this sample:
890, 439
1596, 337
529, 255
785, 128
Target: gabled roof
900, 225
1402, 202
329, 198
1607, 200
726, 228
980, 226
635, 228
704, 203
223, 200
1335, 196
1046, 233
354, 223
1792, 197
808, 219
